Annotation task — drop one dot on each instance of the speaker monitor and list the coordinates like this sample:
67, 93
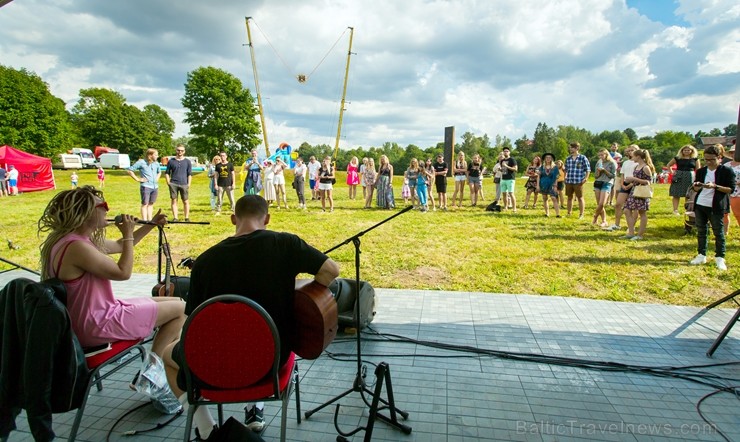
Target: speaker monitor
344, 293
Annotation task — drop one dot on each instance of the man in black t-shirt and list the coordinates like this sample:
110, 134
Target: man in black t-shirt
179, 174
225, 178
508, 178
258, 264
440, 181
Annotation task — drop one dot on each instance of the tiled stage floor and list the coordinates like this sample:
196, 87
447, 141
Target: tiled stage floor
498, 382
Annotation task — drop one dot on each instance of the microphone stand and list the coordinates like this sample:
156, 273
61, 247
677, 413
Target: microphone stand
160, 241
382, 372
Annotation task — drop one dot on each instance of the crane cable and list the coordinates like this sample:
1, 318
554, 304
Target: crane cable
301, 78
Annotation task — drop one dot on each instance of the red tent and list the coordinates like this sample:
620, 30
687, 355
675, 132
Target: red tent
34, 173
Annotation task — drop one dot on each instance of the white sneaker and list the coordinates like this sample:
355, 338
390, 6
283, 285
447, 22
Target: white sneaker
614, 227
700, 259
720, 263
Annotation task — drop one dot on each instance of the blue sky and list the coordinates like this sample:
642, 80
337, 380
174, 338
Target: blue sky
488, 67
661, 11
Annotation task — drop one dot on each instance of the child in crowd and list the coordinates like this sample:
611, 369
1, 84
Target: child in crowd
101, 177
74, 178
560, 185
406, 191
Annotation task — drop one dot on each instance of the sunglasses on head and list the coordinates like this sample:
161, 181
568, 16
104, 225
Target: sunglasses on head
104, 205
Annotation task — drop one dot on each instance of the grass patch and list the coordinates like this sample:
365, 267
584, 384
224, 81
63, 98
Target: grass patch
464, 249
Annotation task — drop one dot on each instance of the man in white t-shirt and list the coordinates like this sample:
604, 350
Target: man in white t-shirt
12, 180
313, 176
714, 184
626, 170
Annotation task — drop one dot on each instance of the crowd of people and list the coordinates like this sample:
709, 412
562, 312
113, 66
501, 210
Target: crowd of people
8, 181
622, 180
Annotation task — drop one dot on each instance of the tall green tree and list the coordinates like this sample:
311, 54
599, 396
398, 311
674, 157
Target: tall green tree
31, 118
544, 140
630, 134
221, 112
164, 126
103, 118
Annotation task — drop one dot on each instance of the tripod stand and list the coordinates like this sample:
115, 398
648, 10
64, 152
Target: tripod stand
382, 372
728, 327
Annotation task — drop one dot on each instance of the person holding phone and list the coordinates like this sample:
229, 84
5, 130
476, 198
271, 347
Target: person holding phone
713, 186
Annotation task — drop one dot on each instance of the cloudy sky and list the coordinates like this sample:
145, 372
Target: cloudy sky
489, 67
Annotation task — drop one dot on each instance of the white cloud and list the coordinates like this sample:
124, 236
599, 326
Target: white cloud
495, 67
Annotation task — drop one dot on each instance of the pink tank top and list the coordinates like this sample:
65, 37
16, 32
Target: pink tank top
97, 316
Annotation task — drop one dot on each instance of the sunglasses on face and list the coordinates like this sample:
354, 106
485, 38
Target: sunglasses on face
104, 205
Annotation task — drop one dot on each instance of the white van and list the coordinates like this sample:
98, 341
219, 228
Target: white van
114, 161
67, 161
88, 160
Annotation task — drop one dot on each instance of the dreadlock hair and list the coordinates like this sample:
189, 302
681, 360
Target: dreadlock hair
67, 211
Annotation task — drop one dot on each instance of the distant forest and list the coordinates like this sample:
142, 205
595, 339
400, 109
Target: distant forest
222, 115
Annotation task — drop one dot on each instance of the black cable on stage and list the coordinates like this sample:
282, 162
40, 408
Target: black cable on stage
691, 373
733, 389
135, 432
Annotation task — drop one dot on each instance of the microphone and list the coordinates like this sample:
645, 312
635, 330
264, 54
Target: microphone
119, 219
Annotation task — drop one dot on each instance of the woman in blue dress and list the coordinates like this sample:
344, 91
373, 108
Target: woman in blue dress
547, 175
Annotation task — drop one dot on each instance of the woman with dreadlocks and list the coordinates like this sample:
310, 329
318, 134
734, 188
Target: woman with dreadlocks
76, 251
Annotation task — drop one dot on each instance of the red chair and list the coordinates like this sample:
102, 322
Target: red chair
231, 352
96, 364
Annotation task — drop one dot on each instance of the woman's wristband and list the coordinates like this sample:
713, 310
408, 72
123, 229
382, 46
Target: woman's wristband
127, 239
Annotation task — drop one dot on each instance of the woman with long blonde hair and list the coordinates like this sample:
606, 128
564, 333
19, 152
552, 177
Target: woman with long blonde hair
411, 176
384, 184
429, 167
460, 171
634, 207
353, 177
370, 177
687, 163
606, 169
212, 186
76, 251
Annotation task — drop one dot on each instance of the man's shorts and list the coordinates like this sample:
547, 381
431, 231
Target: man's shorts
312, 184
507, 186
440, 182
148, 195
12, 183
179, 188
576, 189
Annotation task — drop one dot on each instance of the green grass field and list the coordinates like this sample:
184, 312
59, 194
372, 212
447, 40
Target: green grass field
464, 249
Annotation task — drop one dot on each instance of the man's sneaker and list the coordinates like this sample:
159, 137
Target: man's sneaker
700, 259
254, 419
720, 263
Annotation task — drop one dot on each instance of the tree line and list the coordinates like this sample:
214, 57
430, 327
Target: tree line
222, 115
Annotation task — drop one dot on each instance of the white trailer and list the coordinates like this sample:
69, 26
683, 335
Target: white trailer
114, 161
